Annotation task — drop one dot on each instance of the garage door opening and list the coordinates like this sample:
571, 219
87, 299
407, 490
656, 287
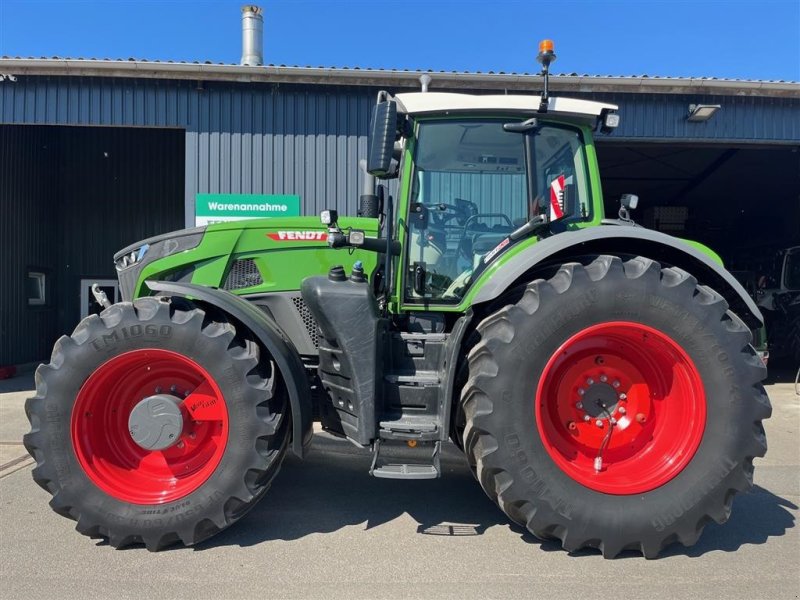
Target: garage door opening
744, 202
70, 197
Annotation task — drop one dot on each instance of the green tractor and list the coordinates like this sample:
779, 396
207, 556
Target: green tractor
599, 377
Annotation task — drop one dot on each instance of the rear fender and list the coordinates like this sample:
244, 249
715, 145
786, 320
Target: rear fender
620, 241
273, 339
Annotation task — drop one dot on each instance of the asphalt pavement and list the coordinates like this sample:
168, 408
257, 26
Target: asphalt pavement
328, 530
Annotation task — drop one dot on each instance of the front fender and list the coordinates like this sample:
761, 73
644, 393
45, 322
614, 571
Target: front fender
269, 334
619, 241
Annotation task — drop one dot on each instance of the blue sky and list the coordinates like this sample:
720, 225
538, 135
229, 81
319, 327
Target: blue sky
756, 39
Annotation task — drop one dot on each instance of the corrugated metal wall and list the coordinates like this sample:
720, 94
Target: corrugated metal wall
69, 198
742, 119
27, 242
306, 140
229, 138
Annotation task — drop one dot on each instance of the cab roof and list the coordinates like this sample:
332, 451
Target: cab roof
418, 103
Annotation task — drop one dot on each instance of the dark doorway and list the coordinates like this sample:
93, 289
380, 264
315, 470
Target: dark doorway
744, 202
69, 198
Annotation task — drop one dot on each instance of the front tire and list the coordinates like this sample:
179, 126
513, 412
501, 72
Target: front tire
212, 424
616, 406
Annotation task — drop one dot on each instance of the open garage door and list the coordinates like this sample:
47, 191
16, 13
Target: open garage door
744, 202
70, 197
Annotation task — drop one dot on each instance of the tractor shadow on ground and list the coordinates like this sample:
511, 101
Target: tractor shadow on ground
331, 490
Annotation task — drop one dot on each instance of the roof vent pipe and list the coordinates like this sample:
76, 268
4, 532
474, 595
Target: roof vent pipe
425, 80
252, 36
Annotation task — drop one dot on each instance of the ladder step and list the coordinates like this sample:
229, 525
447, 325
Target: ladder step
409, 426
402, 470
405, 471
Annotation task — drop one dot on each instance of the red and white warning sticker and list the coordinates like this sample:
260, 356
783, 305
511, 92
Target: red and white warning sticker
298, 236
557, 198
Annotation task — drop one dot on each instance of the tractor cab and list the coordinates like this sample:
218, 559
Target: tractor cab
479, 176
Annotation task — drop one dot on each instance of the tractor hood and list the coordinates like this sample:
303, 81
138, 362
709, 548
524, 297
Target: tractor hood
245, 257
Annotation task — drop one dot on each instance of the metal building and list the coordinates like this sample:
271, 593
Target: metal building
96, 154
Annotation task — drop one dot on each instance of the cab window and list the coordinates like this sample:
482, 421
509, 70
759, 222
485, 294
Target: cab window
471, 188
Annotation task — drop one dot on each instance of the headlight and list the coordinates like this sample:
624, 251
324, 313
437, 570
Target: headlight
130, 259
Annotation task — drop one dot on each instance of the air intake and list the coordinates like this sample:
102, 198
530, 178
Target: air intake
244, 273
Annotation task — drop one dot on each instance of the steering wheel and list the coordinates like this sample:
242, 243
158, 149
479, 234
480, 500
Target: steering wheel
444, 213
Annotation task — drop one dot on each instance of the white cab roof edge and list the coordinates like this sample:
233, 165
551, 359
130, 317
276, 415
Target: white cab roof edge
442, 102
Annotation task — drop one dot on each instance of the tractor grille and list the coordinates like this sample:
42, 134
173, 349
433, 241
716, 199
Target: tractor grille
308, 319
244, 273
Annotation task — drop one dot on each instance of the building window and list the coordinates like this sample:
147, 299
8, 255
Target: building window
36, 288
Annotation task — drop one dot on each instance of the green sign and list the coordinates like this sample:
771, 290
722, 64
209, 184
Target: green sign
216, 208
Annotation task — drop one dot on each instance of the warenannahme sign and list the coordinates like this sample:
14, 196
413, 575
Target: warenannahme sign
217, 208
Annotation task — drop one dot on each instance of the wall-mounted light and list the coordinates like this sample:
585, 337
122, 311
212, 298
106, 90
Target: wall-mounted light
699, 113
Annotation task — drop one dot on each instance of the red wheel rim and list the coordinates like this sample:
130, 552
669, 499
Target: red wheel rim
104, 446
654, 402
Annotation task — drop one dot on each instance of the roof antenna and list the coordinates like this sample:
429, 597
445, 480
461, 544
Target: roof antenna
546, 56
425, 80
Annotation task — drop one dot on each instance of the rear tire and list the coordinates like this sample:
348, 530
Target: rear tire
235, 424
686, 362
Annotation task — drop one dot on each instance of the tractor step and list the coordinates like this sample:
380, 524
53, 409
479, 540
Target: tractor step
407, 427
406, 470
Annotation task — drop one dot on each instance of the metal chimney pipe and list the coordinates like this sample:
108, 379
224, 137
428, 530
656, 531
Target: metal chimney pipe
425, 81
252, 36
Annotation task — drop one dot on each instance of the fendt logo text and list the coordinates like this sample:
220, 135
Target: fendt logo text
298, 236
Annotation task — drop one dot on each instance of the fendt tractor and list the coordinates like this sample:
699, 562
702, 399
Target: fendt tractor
598, 376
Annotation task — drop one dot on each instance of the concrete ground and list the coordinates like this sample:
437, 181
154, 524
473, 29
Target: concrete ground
328, 530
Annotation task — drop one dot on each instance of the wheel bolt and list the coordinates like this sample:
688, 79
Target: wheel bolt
613, 421
623, 396
603, 378
640, 418
590, 381
173, 388
587, 418
622, 410
581, 391
599, 423
579, 405
615, 384
158, 390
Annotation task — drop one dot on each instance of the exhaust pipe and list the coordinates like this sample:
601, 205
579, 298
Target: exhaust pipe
252, 36
369, 204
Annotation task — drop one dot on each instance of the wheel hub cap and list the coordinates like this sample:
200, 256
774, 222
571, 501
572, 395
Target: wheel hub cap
156, 422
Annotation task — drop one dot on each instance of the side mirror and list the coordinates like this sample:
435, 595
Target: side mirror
630, 201
382, 134
627, 202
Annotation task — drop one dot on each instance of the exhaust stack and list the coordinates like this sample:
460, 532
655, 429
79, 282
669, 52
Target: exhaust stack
252, 36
